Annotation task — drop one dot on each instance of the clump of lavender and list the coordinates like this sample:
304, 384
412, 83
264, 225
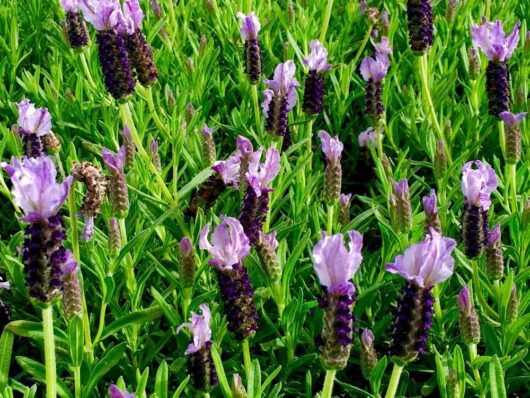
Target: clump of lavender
400, 206
332, 148
335, 266
250, 27
344, 209
368, 354
74, 26
477, 185
229, 246
513, 135
119, 196
115, 392
72, 304
33, 124
202, 368
432, 218
280, 98
423, 265
256, 202
208, 145
96, 186
140, 52
490, 38
108, 19
494, 259
266, 246
316, 62
373, 71
5, 313
469, 322
420, 25
37, 193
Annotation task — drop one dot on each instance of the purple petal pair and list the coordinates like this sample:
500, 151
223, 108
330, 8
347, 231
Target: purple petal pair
74, 26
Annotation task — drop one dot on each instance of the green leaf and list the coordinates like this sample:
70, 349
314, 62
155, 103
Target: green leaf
377, 374
141, 381
169, 312
268, 381
221, 376
460, 368
76, 340
6, 349
38, 371
440, 375
496, 376
133, 318
109, 360
161, 380
181, 387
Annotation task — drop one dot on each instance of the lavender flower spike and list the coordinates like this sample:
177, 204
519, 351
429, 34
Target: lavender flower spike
335, 264
280, 98
490, 38
37, 193
74, 26
115, 392
477, 185
119, 196
494, 258
344, 209
208, 144
400, 206
469, 322
420, 25
107, 18
332, 148
316, 62
424, 265
139, 50
250, 27
128, 143
228, 247
256, 202
72, 304
202, 368
368, 353
432, 219
33, 124
512, 135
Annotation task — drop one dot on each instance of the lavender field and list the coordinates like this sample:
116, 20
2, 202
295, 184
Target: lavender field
238, 198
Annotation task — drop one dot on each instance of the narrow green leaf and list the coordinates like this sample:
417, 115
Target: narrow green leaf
137, 317
38, 371
76, 340
460, 368
181, 387
169, 312
221, 376
161, 380
269, 380
6, 349
377, 374
496, 376
109, 360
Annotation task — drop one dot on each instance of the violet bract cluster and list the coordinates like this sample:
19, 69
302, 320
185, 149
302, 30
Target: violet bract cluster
316, 62
33, 124
250, 27
423, 265
420, 25
229, 246
74, 26
498, 48
332, 148
335, 264
432, 218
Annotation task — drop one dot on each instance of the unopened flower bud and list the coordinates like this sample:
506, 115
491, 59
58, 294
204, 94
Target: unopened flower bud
384, 23
432, 219
451, 10
190, 65
71, 290
266, 248
238, 389
69, 95
170, 99
527, 43
494, 259
403, 209
187, 263
291, 13
119, 195
526, 215
51, 143
130, 148
155, 155
344, 209
209, 5
208, 145
453, 387
114, 237
474, 64
190, 111
512, 311
368, 354
203, 45
440, 161
512, 136
469, 322
373, 15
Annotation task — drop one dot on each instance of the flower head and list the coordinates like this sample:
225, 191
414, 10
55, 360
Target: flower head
478, 184
375, 69
512, 120
34, 187
429, 203
199, 326
283, 84
33, 120
383, 48
494, 236
344, 199
69, 5
464, 301
367, 338
133, 15
229, 244
115, 392
244, 145
334, 264
332, 147
260, 175
490, 38
250, 26
366, 137
426, 263
317, 59
206, 131
228, 170
102, 14
115, 163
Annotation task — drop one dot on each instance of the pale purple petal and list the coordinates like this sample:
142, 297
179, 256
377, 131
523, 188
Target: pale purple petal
269, 239
115, 163
133, 12
267, 98
490, 38
401, 188
115, 392
260, 176
200, 329
429, 204
478, 183
375, 68
186, 247
317, 59
512, 120
367, 338
494, 236
228, 170
332, 147
464, 300
366, 137
102, 14
33, 120
70, 266
344, 199
244, 145
383, 48
69, 5
250, 26
284, 83
206, 131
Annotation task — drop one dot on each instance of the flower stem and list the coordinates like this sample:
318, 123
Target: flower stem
394, 381
309, 136
438, 309
49, 352
361, 48
277, 290
513, 179
328, 383
101, 325
325, 21
246, 357
472, 357
329, 225
255, 101
91, 82
77, 381
151, 105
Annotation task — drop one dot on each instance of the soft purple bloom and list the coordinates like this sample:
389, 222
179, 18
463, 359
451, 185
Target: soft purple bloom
367, 338
426, 263
199, 326
69, 5
69, 267
375, 69
344, 199
494, 236
229, 244
332, 147
250, 26
186, 247
402, 188
362, 6
366, 137
383, 48
154, 146
33, 120
228, 170
4, 285
206, 131
115, 392
478, 184
334, 264
270, 239
34, 187
260, 175
429, 204
126, 133
283, 84
133, 15
244, 145
464, 301
512, 120
102, 14
490, 38
115, 163
385, 20
317, 59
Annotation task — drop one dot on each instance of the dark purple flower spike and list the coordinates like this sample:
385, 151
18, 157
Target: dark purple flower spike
316, 62
420, 25
74, 26
250, 27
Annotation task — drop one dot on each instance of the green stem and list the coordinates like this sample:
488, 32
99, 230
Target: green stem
487, 12
186, 301
475, 99
502, 138
309, 136
277, 290
394, 381
246, 357
129, 271
328, 383
154, 113
77, 381
101, 325
379, 139
255, 101
472, 357
438, 309
361, 48
513, 179
91, 82
476, 284
329, 224
49, 352
325, 21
